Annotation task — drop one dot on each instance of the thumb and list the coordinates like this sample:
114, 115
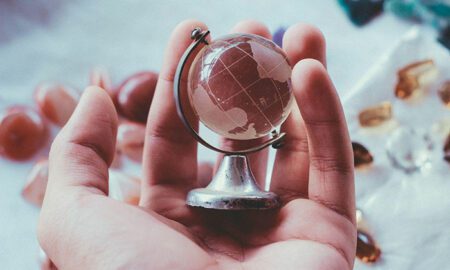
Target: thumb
83, 150
78, 168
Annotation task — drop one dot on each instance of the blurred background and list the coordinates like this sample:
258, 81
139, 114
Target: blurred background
46, 41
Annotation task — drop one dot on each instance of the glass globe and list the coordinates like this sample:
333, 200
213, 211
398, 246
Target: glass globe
239, 86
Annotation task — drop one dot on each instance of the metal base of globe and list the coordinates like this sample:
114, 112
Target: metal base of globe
233, 188
213, 199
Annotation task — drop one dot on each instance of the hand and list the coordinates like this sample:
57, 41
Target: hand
81, 228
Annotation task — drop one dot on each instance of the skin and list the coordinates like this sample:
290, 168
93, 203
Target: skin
81, 228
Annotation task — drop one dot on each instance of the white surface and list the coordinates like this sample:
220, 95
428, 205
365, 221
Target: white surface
128, 36
407, 214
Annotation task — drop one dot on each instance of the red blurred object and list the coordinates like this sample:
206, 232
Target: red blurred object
117, 160
56, 102
22, 132
99, 76
34, 189
124, 187
45, 262
130, 140
135, 95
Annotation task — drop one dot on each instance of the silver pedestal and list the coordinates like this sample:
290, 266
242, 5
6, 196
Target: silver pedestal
233, 188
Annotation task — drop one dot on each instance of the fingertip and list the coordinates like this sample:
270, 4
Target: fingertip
179, 40
98, 96
303, 41
314, 91
93, 123
308, 71
252, 26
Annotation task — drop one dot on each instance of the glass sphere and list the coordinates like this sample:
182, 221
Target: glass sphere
239, 86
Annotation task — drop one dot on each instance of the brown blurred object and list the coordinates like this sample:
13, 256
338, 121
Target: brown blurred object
366, 248
22, 132
444, 93
130, 140
447, 149
124, 187
117, 160
56, 102
34, 189
135, 95
361, 155
375, 115
99, 76
414, 77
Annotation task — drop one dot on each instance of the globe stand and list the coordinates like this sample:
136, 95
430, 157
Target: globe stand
233, 187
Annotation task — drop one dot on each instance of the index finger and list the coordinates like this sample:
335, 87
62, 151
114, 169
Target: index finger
170, 152
330, 152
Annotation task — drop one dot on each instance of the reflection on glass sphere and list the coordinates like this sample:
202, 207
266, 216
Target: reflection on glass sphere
239, 86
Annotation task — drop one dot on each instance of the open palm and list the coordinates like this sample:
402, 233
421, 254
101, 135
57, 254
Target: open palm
81, 228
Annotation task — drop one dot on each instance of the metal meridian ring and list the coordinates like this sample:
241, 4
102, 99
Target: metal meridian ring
199, 37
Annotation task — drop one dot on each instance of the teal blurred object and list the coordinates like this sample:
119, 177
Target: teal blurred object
361, 12
433, 12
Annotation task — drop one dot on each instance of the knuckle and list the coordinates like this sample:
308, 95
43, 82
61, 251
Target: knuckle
331, 164
297, 145
333, 206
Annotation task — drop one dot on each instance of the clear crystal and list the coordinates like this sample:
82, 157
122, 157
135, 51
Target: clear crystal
239, 86
409, 149
441, 128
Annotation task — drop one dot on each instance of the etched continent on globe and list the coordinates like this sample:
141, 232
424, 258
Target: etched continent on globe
239, 86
